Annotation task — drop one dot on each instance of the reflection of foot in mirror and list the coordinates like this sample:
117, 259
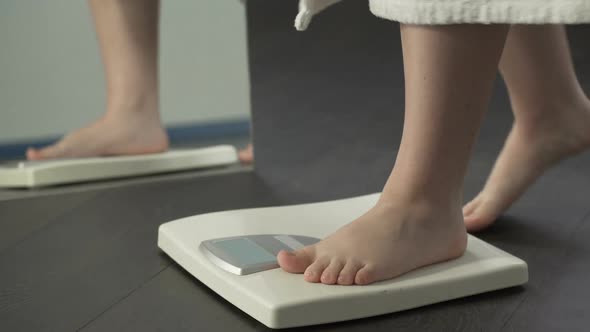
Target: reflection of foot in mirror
122, 133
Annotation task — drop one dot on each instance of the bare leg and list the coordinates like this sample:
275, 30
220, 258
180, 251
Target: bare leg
552, 118
449, 72
128, 34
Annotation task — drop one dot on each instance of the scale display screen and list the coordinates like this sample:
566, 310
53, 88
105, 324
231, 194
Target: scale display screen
246, 251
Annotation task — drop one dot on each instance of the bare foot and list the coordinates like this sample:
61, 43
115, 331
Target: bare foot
246, 155
117, 133
528, 152
386, 242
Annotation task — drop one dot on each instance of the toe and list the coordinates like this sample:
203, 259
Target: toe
296, 261
481, 216
246, 155
50, 152
470, 207
313, 273
348, 273
476, 222
478, 215
365, 275
32, 154
330, 274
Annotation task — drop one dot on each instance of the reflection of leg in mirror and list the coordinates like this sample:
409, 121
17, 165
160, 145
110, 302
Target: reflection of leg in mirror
552, 118
127, 32
128, 35
449, 72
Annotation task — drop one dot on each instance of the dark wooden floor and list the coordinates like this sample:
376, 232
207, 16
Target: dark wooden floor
327, 120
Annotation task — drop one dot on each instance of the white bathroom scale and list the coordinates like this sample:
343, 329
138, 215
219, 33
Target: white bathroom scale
62, 171
232, 252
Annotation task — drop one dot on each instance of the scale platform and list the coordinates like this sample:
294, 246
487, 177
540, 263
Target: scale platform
280, 300
30, 174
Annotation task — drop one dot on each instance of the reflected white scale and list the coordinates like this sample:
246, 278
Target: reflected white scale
62, 171
232, 252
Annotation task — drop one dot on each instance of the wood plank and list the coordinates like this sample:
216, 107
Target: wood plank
66, 274
558, 252
21, 218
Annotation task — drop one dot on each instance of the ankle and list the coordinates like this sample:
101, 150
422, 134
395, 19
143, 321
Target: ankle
445, 195
427, 216
424, 205
132, 103
552, 115
569, 129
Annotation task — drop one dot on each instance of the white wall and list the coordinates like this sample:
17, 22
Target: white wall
51, 78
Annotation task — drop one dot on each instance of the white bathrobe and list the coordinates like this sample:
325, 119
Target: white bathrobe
463, 11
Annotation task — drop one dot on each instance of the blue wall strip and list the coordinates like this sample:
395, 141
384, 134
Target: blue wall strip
177, 134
